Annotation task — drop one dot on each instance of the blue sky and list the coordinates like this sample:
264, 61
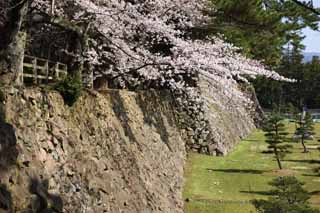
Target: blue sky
312, 40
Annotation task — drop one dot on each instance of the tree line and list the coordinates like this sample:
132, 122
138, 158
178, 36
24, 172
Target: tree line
271, 31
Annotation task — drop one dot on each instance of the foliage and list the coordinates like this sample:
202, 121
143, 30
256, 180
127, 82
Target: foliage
276, 136
262, 27
303, 92
70, 88
289, 197
144, 42
305, 129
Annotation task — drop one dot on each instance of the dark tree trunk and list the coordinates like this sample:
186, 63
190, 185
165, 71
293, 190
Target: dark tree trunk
87, 68
305, 150
258, 113
13, 47
277, 157
78, 61
80, 67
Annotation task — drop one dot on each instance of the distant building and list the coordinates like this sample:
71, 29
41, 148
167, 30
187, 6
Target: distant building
307, 56
316, 58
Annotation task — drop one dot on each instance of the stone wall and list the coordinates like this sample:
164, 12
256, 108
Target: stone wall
223, 122
115, 151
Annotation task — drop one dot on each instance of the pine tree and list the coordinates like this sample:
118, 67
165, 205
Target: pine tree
276, 136
311, 83
292, 65
262, 27
289, 197
303, 92
305, 130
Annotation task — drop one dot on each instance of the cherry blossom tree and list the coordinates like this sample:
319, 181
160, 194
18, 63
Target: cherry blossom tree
136, 41
140, 41
141, 44
150, 43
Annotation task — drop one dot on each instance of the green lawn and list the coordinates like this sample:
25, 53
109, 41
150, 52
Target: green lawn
226, 184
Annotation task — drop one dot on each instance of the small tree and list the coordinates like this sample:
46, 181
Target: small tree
288, 197
276, 135
305, 130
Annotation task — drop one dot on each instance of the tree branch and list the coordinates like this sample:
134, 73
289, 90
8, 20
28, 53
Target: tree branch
16, 5
306, 6
132, 70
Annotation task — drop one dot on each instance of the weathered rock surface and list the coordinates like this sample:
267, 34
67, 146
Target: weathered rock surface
222, 122
116, 151
229, 122
113, 152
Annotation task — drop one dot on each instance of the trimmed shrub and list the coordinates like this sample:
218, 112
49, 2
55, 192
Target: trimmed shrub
70, 88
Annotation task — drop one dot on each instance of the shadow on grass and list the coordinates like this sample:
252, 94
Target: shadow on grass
309, 147
311, 175
317, 192
304, 161
258, 192
253, 140
267, 152
245, 171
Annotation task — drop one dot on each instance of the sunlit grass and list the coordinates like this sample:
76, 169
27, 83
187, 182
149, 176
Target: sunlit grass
227, 184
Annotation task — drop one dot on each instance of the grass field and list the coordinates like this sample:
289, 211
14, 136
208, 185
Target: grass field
227, 184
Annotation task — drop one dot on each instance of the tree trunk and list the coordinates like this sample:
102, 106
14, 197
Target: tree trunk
76, 64
259, 115
305, 150
80, 67
277, 157
52, 7
88, 68
12, 54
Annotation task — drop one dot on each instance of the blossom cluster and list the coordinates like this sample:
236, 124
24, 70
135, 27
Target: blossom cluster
151, 37
143, 40
152, 43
